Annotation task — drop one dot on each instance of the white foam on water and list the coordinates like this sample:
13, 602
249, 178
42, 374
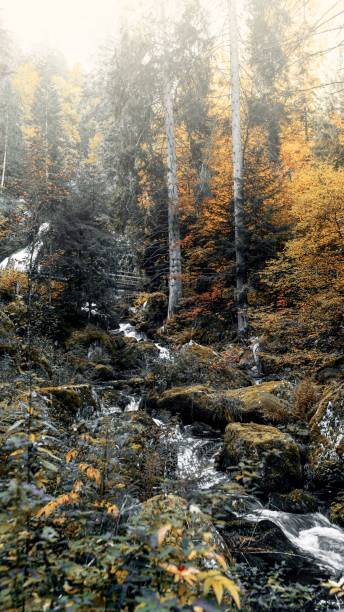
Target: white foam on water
312, 534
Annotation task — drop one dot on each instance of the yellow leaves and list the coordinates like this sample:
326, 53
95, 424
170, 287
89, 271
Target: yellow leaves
94, 146
219, 584
162, 533
91, 472
110, 508
335, 588
71, 455
18, 452
77, 486
182, 573
87, 438
61, 500
121, 575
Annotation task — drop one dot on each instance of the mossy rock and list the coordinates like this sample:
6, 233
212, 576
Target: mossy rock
275, 453
265, 403
102, 372
135, 355
337, 510
195, 403
151, 310
326, 455
332, 370
87, 336
72, 399
197, 364
218, 408
297, 501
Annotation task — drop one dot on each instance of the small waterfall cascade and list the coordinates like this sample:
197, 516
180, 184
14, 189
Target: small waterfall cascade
257, 368
129, 331
20, 261
313, 534
196, 450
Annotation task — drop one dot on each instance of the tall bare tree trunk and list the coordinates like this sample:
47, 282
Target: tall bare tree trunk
175, 260
4, 159
238, 173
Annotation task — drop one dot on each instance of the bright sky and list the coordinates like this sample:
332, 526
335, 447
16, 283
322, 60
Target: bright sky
76, 27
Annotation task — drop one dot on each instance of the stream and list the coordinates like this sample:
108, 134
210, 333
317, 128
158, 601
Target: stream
197, 446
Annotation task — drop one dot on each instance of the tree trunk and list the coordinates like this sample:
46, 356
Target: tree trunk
175, 278
238, 173
4, 160
175, 260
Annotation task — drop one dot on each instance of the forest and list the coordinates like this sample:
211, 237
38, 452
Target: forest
172, 312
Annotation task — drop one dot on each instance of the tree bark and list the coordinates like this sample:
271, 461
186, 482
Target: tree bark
4, 160
175, 260
238, 173
175, 277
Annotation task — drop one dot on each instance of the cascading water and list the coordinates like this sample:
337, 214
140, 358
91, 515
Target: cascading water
311, 534
129, 331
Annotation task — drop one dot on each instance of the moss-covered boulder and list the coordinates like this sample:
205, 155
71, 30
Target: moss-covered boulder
102, 372
260, 403
135, 355
197, 364
327, 440
297, 501
266, 403
275, 453
195, 403
150, 310
72, 399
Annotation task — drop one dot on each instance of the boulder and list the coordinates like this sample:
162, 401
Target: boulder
297, 501
195, 403
267, 403
197, 364
276, 454
332, 370
71, 400
260, 403
326, 456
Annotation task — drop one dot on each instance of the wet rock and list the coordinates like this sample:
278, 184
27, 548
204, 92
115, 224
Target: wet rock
332, 370
262, 404
276, 455
195, 364
297, 501
151, 310
265, 403
70, 400
195, 403
326, 455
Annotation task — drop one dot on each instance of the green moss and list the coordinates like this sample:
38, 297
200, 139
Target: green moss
203, 403
275, 453
196, 403
70, 399
85, 337
298, 501
196, 364
63, 397
337, 510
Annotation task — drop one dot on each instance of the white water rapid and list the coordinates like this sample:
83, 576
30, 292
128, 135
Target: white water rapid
129, 331
312, 534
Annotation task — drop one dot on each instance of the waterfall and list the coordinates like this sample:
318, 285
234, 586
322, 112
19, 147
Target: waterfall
312, 534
